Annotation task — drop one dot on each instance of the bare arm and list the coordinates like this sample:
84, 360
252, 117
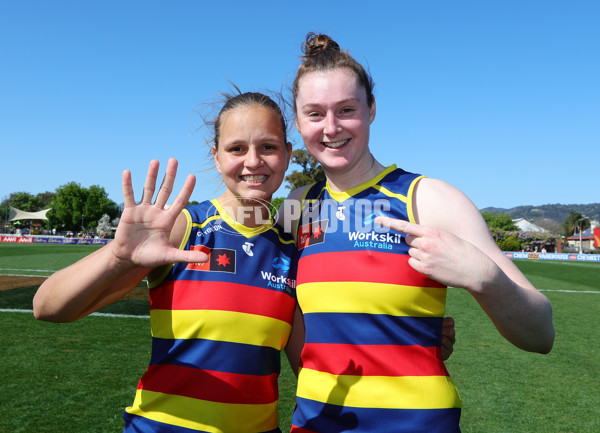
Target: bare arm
146, 238
452, 244
295, 344
288, 217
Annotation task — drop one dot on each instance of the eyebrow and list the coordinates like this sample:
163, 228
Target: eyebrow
269, 138
343, 101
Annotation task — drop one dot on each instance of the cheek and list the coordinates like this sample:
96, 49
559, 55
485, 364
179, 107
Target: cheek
227, 167
281, 166
308, 130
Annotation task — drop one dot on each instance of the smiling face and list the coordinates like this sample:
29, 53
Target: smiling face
333, 117
252, 155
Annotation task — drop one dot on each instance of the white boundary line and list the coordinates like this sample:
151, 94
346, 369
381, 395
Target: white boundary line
570, 291
33, 270
131, 316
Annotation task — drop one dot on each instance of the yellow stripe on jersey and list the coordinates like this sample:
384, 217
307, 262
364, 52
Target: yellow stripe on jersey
409, 203
207, 220
341, 196
372, 298
245, 231
417, 392
283, 241
203, 415
217, 325
389, 193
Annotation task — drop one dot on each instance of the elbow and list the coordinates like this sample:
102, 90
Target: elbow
548, 342
550, 334
38, 309
546, 336
40, 313
43, 312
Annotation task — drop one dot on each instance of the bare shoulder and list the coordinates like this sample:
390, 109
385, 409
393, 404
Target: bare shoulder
439, 204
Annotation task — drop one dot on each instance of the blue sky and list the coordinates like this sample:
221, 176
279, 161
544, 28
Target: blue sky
499, 98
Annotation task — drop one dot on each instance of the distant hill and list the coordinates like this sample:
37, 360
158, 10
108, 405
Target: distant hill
549, 216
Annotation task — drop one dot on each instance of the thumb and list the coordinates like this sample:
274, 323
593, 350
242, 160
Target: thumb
187, 256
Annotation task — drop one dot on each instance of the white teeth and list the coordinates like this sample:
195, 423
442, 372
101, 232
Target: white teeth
254, 178
336, 144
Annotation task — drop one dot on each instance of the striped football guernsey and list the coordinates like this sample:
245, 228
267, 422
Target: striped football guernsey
372, 358
217, 330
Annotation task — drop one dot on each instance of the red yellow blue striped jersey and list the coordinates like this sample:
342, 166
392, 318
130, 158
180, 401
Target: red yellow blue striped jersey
217, 330
372, 357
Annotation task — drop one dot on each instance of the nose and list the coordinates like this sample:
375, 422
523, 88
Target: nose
331, 126
253, 159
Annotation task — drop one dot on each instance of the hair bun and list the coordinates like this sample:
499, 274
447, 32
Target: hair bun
316, 44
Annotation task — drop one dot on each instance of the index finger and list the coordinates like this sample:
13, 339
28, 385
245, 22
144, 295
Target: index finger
401, 226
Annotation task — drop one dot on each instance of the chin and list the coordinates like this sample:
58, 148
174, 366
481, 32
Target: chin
249, 198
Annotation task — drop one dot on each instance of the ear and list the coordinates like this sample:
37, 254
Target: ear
372, 111
296, 123
215, 153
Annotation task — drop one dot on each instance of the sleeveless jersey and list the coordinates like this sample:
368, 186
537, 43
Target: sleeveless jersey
217, 330
372, 356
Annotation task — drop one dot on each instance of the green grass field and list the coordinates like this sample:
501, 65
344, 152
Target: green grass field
79, 376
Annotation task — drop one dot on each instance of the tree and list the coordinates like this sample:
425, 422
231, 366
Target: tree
311, 172
25, 201
45, 199
499, 221
75, 207
67, 207
510, 243
574, 222
275, 205
97, 204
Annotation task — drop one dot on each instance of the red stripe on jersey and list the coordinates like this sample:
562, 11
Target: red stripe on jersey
373, 360
369, 266
210, 385
214, 295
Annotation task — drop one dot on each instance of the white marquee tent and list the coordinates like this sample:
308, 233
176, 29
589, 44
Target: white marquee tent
16, 214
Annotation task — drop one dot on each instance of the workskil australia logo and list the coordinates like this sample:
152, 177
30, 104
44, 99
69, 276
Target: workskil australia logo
279, 278
376, 237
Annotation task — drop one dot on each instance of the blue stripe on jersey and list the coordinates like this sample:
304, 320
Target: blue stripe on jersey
364, 329
322, 417
216, 355
138, 424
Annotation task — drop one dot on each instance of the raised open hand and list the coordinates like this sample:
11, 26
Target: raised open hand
142, 237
